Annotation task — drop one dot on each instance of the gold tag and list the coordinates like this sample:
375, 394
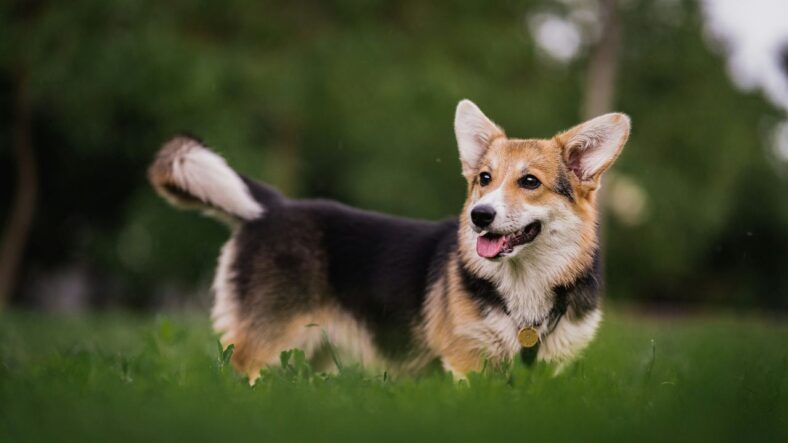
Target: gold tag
528, 337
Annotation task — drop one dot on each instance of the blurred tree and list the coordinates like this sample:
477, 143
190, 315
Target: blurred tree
354, 101
603, 62
601, 77
17, 228
14, 237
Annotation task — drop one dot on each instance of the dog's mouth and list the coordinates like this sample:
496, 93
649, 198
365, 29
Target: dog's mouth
491, 245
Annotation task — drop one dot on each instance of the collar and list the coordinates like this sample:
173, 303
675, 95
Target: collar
529, 336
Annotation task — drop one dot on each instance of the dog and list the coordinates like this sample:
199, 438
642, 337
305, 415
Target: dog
518, 272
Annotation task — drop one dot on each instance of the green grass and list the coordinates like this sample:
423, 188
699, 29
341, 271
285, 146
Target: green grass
120, 377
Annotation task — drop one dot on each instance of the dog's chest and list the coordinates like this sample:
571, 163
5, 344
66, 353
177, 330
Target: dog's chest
528, 300
528, 304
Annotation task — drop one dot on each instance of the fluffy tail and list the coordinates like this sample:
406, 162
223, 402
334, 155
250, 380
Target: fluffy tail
189, 175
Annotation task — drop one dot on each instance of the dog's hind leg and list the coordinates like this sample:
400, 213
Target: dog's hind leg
260, 344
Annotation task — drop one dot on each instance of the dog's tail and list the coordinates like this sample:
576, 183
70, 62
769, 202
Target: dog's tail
189, 175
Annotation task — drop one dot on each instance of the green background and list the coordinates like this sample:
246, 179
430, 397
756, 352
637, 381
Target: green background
354, 101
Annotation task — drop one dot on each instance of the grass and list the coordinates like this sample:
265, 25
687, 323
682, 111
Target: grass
122, 377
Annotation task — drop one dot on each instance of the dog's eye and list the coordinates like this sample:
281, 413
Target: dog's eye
485, 178
529, 182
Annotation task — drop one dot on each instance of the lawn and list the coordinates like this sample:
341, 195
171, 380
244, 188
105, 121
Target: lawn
126, 377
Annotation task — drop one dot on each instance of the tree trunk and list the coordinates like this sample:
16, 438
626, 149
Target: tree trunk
18, 225
600, 83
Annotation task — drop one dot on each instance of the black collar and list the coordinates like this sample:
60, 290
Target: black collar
528, 354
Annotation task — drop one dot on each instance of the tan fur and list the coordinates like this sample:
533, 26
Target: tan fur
447, 309
254, 350
258, 345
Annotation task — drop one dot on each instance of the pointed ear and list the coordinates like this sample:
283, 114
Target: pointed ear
474, 133
591, 147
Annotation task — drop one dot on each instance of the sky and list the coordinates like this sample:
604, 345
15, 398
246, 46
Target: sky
753, 32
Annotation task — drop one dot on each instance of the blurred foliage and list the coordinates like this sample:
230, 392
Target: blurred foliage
354, 100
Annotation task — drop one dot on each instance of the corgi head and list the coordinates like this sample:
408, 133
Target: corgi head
533, 194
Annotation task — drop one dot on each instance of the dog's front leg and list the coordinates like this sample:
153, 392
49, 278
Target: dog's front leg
460, 362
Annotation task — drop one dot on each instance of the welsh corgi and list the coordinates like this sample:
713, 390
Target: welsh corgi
517, 273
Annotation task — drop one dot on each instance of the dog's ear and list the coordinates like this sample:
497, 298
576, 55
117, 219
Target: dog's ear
591, 147
474, 133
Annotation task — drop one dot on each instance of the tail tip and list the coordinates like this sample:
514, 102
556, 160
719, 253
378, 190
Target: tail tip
160, 172
189, 175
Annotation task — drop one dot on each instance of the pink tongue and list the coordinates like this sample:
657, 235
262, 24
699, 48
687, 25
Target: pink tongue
490, 247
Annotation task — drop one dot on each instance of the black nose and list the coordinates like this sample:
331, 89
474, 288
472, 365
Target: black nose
482, 215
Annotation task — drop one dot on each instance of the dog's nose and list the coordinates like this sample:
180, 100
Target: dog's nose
482, 215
